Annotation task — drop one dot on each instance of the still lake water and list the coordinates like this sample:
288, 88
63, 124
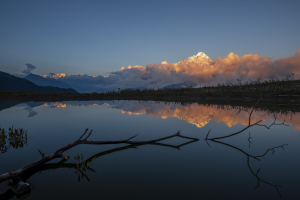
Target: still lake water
258, 163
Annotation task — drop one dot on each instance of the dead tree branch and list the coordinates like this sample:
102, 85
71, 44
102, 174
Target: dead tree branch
59, 152
62, 164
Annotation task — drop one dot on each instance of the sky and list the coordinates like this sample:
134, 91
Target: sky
98, 37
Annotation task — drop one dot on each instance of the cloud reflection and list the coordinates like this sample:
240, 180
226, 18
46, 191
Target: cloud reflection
198, 115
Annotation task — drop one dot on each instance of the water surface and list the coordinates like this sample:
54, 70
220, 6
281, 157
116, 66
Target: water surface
257, 163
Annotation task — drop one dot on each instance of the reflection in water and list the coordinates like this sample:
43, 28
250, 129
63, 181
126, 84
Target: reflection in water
80, 166
15, 138
196, 114
31, 112
55, 104
256, 158
200, 115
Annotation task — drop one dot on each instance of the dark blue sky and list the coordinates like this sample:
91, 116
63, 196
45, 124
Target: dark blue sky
96, 37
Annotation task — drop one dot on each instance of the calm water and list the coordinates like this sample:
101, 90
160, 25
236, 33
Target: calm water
259, 163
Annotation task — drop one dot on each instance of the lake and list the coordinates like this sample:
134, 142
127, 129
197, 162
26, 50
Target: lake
261, 162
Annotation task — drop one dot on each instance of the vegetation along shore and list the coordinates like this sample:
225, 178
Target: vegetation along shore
272, 90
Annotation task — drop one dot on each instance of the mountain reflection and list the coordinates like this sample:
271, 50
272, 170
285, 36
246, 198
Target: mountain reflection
200, 115
194, 113
55, 104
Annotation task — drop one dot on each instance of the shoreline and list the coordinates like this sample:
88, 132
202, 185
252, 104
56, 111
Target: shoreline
88, 97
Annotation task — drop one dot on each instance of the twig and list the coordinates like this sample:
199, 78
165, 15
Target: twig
86, 130
89, 135
132, 137
42, 154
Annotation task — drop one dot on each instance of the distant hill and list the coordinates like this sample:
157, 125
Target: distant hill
12, 83
182, 85
41, 81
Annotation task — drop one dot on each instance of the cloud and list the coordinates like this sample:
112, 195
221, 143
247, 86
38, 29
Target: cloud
30, 67
203, 70
199, 69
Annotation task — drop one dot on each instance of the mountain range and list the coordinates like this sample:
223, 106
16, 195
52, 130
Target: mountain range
41, 81
11, 83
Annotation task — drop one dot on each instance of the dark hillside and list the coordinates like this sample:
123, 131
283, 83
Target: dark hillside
12, 83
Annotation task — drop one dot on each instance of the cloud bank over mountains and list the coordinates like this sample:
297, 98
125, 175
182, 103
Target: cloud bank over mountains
199, 69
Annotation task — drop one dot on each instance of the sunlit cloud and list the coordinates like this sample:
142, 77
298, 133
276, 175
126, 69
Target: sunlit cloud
203, 70
56, 76
199, 69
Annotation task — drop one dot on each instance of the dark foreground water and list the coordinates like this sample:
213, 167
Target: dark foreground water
258, 163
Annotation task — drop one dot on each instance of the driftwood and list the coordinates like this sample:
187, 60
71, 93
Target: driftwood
59, 152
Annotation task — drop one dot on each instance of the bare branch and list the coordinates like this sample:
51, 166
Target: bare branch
58, 153
132, 137
42, 154
86, 130
89, 134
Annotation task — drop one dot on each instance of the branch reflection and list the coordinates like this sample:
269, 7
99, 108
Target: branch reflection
256, 158
80, 166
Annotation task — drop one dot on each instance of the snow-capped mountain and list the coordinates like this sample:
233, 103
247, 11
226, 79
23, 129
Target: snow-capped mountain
202, 55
